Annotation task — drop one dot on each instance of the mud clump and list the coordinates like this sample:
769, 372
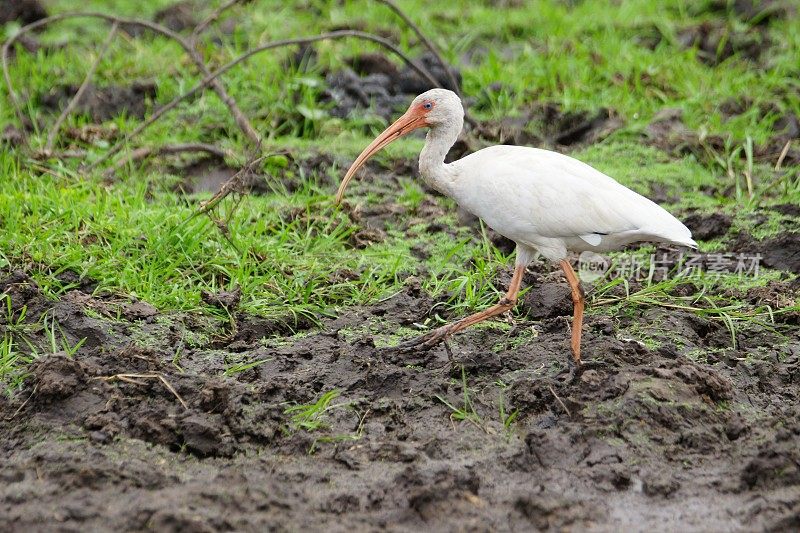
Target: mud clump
222, 299
139, 311
707, 227
547, 300
102, 103
781, 252
57, 377
205, 435
23, 11
717, 42
376, 81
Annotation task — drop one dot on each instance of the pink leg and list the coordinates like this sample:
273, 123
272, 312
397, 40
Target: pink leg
578, 304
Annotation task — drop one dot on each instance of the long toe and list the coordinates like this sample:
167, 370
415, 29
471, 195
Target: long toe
420, 342
426, 341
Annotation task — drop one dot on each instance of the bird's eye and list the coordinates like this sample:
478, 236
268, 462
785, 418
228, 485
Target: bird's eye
427, 105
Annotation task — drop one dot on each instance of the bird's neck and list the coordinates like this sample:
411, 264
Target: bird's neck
438, 142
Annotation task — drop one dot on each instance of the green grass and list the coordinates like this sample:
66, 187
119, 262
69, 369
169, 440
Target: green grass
466, 412
311, 417
242, 366
135, 237
25, 339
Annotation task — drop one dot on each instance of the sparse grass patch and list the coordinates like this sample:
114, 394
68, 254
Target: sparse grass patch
235, 368
311, 417
467, 412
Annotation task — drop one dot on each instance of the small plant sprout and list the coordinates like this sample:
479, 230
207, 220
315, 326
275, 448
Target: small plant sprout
237, 368
506, 418
467, 411
311, 417
12, 364
57, 339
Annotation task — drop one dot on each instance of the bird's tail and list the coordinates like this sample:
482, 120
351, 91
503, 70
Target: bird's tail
688, 242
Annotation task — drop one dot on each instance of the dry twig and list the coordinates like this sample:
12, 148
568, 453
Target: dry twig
210, 78
563, 406
783, 155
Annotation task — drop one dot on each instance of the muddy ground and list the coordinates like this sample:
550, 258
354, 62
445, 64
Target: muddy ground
645, 439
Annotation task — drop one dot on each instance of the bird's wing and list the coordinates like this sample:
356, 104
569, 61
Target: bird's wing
538, 192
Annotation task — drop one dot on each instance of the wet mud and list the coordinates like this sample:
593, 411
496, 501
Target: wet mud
705, 227
547, 124
781, 252
141, 429
102, 103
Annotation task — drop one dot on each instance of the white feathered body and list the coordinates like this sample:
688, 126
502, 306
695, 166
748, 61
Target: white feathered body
554, 203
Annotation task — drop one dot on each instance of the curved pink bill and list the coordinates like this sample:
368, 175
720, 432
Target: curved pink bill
411, 120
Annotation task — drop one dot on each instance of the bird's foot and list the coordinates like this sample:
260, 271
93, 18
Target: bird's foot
427, 341
572, 373
575, 370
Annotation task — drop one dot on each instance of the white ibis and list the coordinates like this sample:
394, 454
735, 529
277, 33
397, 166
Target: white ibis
544, 201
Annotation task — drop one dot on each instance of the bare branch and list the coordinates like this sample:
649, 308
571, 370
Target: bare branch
51, 137
247, 55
